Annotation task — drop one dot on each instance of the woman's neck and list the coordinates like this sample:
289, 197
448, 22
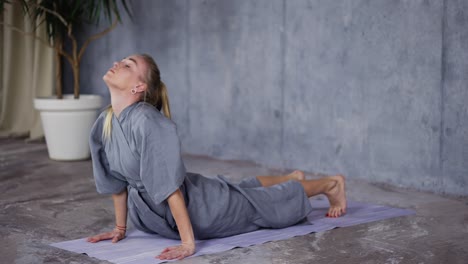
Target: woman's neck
120, 101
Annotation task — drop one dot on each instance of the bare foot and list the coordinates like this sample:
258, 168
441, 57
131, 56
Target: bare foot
337, 196
296, 175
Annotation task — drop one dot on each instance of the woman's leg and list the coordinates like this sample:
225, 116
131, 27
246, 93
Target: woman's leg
267, 181
333, 187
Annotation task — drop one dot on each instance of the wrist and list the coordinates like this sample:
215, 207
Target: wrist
190, 244
120, 228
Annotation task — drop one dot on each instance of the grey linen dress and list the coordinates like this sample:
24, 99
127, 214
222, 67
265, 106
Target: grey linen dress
143, 155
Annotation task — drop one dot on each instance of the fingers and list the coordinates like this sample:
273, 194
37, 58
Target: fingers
178, 252
171, 255
166, 253
103, 236
166, 250
94, 239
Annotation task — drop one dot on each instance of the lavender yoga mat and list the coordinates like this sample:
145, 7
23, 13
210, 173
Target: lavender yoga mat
139, 247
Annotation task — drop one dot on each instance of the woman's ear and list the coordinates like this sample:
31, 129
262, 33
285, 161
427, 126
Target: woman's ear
141, 87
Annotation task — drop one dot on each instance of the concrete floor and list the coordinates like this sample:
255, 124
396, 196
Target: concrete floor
44, 201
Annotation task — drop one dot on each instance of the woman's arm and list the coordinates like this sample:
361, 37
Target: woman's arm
179, 212
120, 208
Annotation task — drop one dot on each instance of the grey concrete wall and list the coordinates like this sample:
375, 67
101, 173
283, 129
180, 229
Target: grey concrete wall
372, 89
454, 94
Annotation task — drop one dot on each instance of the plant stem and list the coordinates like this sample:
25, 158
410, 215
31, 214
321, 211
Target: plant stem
76, 81
58, 73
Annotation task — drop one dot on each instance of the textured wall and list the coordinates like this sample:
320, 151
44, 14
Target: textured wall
454, 93
372, 89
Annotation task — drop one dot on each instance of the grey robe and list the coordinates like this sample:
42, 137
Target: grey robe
143, 155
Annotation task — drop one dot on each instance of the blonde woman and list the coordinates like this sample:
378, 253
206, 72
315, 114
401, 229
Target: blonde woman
136, 158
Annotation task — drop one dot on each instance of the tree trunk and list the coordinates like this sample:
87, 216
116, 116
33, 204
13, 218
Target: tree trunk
58, 76
76, 80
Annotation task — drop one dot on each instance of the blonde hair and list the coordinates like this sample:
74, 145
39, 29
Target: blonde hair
155, 94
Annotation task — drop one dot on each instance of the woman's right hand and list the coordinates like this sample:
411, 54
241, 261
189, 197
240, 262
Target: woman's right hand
115, 235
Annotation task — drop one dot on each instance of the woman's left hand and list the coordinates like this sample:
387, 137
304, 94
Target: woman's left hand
177, 252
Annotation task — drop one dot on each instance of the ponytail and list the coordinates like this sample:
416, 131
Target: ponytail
159, 99
107, 128
156, 92
163, 102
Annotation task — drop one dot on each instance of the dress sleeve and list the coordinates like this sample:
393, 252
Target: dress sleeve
106, 182
162, 170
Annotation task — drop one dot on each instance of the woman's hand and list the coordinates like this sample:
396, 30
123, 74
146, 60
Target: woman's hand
177, 252
115, 235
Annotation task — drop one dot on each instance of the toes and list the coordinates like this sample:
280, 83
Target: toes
335, 212
338, 212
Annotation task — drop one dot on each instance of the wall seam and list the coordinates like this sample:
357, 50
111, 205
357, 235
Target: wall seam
283, 78
442, 93
187, 65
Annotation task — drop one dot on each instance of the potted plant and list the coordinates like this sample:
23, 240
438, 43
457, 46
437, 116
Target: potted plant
67, 119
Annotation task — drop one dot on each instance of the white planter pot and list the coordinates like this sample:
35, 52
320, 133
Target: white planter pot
67, 124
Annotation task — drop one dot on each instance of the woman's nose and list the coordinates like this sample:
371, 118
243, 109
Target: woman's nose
116, 64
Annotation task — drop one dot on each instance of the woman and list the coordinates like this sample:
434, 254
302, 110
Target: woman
136, 157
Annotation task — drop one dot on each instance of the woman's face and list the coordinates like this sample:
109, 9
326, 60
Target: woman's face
126, 74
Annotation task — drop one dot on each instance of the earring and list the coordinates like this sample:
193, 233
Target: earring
133, 91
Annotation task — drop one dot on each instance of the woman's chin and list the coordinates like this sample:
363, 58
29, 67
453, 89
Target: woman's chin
107, 81
106, 77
